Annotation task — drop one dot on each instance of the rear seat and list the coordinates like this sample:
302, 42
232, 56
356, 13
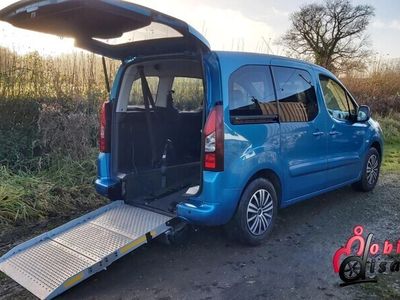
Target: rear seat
182, 128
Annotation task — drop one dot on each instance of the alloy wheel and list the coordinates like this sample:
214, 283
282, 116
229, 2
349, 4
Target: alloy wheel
260, 212
372, 169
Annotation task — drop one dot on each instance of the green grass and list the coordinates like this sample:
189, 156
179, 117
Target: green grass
391, 128
391, 133
391, 158
64, 188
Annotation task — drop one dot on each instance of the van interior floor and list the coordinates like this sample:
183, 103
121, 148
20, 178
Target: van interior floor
166, 203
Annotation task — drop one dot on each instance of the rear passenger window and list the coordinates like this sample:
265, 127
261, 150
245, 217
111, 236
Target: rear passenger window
188, 93
296, 95
136, 95
251, 92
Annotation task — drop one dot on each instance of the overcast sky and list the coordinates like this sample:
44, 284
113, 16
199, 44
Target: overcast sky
229, 25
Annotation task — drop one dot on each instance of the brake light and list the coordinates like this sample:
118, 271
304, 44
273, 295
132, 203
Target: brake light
214, 140
105, 127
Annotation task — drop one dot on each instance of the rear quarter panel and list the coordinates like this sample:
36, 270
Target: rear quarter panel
249, 148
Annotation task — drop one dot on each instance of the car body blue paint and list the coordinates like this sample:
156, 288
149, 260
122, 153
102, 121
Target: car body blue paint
214, 205
306, 165
104, 181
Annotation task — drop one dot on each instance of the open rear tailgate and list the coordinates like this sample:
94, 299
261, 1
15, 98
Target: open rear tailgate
112, 28
57, 260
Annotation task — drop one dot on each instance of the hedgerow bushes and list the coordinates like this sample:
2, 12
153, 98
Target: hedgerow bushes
71, 76
18, 131
379, 88
32, 132
47, 158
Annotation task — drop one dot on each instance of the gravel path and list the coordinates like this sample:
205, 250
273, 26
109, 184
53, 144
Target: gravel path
294, 263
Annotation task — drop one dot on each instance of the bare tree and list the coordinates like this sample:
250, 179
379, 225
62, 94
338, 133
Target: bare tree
332, 34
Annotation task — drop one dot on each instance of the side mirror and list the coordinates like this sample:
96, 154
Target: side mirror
363, 113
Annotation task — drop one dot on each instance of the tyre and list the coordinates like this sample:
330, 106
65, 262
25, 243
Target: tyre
370, 172
256, 213
351, 269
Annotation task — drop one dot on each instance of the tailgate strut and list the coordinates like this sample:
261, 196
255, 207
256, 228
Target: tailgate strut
103, 60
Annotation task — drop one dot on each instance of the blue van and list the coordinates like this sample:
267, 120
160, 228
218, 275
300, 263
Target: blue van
209, 137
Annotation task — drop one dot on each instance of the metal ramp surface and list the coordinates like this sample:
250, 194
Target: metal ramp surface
57, 260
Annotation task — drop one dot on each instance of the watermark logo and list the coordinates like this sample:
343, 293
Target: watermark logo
363, 259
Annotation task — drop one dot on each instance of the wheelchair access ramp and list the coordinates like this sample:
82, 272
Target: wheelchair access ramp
57, 260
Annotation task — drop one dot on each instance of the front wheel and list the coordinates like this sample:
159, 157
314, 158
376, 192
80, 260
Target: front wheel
370, 172
256, 214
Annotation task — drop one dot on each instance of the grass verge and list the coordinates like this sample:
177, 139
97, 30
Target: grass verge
391, 133
63, 189
391, 158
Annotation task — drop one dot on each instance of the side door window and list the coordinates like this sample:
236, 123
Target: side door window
338, 102
296, 95
251, 93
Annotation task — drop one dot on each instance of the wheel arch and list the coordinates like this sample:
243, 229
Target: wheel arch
378, 148
270, 175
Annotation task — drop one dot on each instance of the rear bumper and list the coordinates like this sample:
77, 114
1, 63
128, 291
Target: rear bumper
105, 184
203, 214
213, 207
209, 214
108, 188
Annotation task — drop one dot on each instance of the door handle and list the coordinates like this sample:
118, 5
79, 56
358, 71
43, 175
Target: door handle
334, 132
318, 133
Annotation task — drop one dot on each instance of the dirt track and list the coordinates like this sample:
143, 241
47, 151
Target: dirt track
294, 263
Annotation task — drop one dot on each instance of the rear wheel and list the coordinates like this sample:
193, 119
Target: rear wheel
256, 214
370, 172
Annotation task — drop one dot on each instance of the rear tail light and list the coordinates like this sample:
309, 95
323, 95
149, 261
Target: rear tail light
214, 140
105, 127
